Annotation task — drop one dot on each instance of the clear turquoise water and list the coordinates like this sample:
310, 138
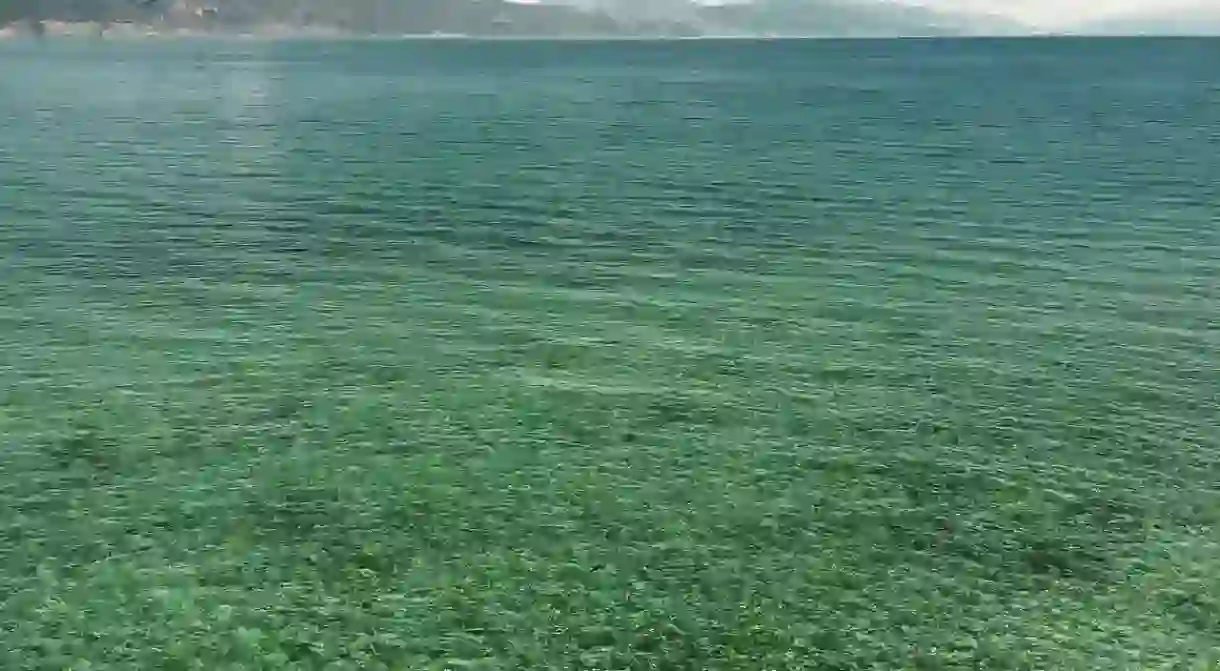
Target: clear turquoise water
863, 335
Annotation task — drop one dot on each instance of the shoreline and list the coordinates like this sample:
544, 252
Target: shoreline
122, 32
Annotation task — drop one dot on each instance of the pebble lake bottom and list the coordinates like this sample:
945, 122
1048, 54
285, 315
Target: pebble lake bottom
623, 355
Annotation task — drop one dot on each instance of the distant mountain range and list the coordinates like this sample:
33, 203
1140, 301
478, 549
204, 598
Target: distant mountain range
860, 18
675, 18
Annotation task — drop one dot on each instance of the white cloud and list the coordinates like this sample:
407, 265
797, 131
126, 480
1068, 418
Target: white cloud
1052, 13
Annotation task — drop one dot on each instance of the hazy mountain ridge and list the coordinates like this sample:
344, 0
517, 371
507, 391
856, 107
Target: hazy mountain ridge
517, 17
849, 18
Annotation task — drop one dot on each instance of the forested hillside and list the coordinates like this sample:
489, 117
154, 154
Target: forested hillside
511, 17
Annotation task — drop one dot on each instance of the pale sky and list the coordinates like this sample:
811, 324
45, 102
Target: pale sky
1057, 13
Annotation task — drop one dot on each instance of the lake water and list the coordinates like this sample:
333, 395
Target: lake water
714, 314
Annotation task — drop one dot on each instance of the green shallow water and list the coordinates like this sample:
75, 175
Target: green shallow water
802, 355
